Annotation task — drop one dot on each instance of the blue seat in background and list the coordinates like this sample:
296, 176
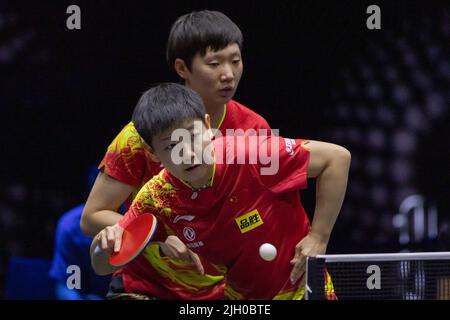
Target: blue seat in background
27, 279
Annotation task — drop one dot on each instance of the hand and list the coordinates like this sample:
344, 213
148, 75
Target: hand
109, 239
174, 248
309, 246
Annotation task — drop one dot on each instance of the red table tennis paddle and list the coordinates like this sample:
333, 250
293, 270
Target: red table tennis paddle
135, 238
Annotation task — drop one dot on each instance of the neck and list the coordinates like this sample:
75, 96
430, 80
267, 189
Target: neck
207, 180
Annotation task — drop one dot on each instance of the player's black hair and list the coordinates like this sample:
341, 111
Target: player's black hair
196, 32
166, 106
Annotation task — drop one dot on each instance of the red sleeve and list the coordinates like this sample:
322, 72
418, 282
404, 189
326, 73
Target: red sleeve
283, 163
125, 159
261, 123
240, 117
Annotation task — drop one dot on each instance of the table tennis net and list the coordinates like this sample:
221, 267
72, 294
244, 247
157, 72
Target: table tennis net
402, 276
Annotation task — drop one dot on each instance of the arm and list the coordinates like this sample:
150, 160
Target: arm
109, 239
175, 249
100, 211
330, 164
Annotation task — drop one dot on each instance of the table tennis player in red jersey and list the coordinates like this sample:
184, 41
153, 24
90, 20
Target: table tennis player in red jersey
223, 205
204, 49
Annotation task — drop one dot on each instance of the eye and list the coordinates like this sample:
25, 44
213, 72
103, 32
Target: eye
236, 61
213, 64
171, 146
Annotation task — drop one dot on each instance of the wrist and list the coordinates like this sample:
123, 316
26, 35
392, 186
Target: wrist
320, 235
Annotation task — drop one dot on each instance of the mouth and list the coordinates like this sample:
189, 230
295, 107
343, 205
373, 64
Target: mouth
226, 91
192, 168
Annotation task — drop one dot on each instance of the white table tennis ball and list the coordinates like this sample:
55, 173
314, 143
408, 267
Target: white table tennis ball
268, 251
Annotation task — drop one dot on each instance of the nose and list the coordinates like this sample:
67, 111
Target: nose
187, 151
227, 73
190, 153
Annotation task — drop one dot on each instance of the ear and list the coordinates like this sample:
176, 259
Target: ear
153, 156
207, 121
181, 68
208, 126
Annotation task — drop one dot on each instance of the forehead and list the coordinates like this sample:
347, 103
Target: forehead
186, 125
230, 50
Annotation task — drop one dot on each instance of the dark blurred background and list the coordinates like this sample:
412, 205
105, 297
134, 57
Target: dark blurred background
311, 68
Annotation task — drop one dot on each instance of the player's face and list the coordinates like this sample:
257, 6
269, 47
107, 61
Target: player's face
216, 75
186, 152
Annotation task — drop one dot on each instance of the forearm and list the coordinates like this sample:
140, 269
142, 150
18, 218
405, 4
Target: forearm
106, 197
330, 193
93, 222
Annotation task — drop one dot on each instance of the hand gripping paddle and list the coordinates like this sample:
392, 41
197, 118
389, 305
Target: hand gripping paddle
135, 238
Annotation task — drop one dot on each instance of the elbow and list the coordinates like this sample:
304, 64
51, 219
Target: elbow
345, 155
342, 156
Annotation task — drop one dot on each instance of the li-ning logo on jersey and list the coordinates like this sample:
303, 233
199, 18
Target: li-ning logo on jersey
183, 217
249, 221
195, 244
189, 233
290, 143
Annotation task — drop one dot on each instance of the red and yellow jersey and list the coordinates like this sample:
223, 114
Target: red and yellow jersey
226, 223
236, 116
127, 160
